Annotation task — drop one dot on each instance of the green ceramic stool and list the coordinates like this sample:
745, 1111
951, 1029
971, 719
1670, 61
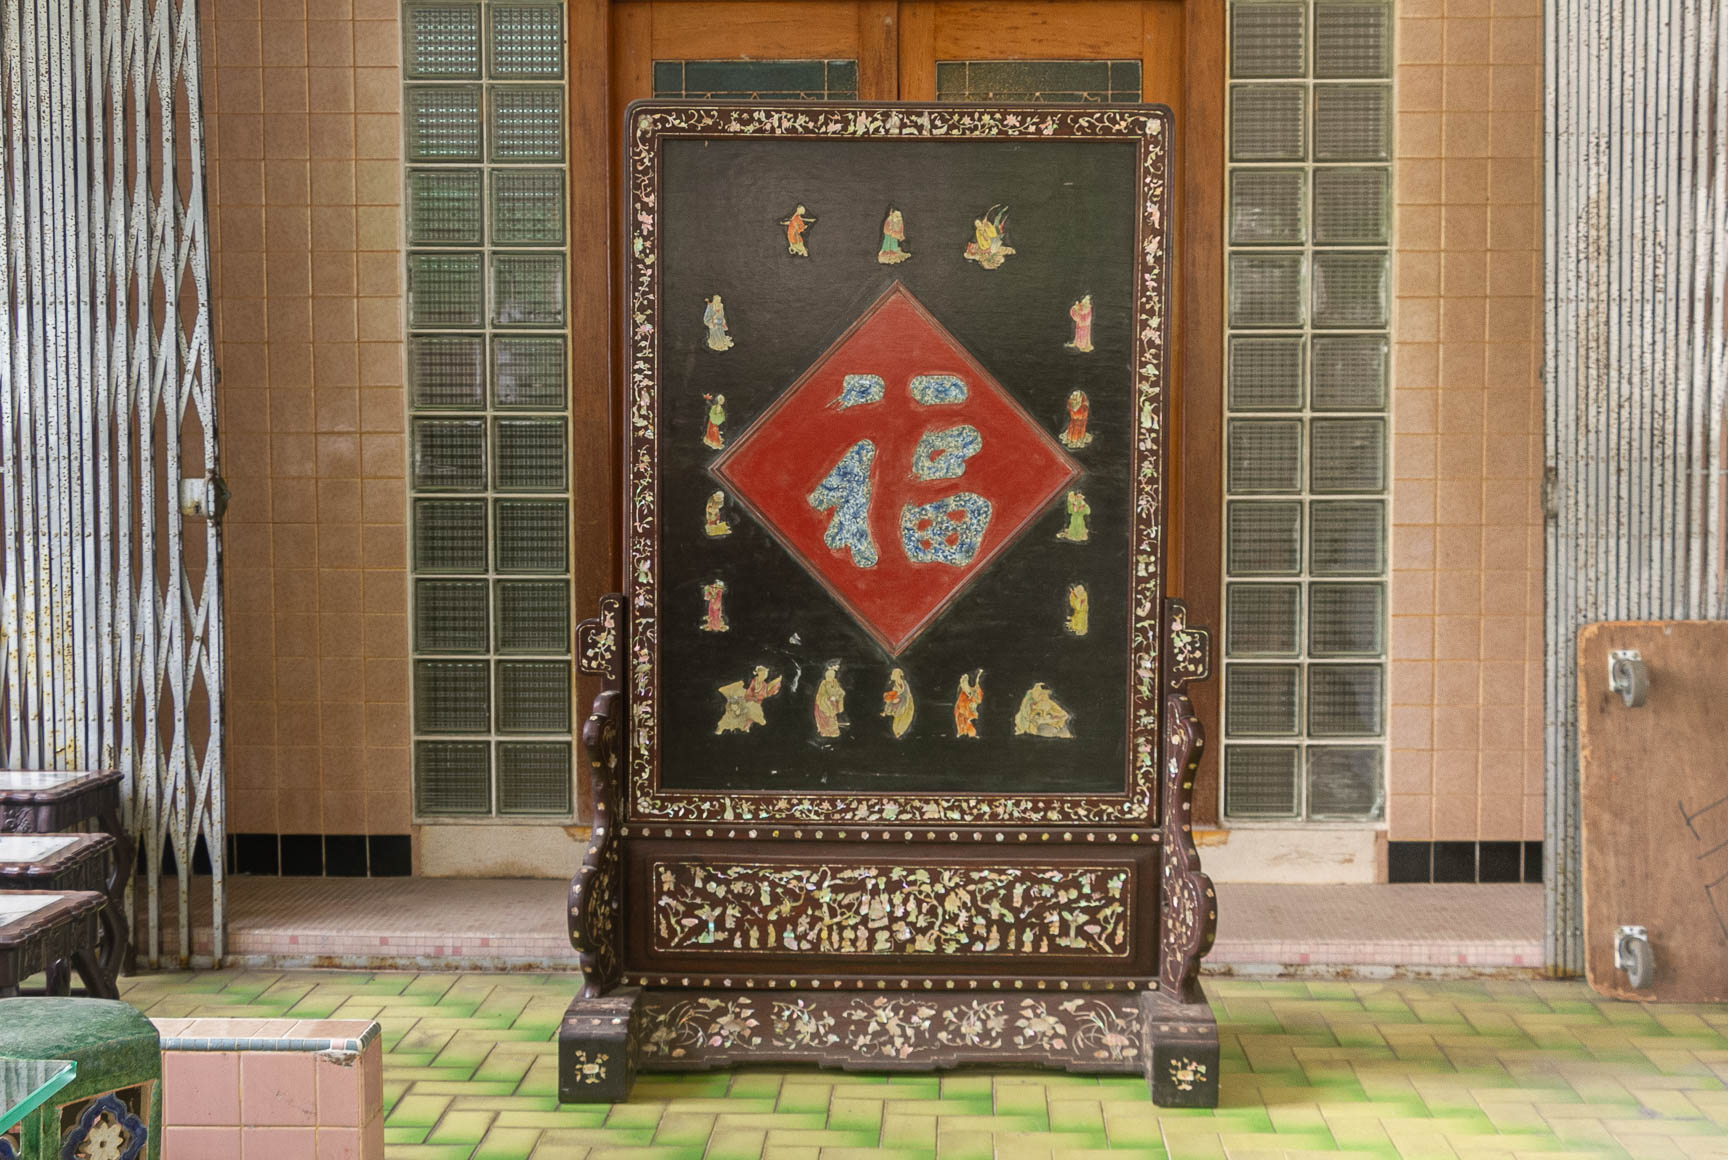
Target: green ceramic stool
113, 1108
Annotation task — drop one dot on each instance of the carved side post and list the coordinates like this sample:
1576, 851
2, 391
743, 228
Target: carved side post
1180, 1032
597, 1040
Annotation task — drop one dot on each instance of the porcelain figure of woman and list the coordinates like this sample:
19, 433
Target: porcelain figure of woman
893, 250
714, 318
830, 703
897, 703
1081, 313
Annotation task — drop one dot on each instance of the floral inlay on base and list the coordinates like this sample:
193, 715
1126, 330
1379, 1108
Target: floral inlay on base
894, 910
590, 1071
899, 1027
1185, 1074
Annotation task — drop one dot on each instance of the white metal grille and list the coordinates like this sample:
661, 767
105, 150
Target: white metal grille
112, 621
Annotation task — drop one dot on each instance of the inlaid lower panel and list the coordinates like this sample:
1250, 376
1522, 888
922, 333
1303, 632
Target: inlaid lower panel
834, 910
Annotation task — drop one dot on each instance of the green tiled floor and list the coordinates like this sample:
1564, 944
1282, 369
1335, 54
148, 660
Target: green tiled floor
1408, 1069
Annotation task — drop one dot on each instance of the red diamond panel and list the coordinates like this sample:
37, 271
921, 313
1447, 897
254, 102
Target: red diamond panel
803, 451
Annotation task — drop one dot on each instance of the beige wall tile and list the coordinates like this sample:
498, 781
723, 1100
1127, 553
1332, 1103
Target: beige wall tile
1409, 817
289, 179
1455, 818
1466, 332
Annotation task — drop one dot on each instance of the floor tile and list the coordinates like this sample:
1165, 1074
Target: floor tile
1412, 1069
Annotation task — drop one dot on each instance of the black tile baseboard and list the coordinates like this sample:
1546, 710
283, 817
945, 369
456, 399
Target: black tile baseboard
1464, 861
322, 855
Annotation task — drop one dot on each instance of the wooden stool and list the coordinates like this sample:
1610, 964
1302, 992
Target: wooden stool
62, 862
47, 930
60, 801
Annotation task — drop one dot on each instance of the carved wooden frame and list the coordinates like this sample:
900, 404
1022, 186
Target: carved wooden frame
1149, 128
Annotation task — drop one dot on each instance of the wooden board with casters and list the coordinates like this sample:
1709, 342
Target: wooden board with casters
1655, 808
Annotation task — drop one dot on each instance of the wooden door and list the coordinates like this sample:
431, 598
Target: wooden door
924, 50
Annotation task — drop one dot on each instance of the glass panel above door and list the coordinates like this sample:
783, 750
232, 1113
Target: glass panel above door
1039, 81
757, 80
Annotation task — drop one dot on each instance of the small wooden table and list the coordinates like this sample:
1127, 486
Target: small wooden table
41, 929
60, 801
61, 862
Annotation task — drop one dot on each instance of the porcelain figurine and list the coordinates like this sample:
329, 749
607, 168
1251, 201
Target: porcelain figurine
744, 702
1081, 313
966, 701
897, 703
796, 227
714, 318
714, 615
712, 436
989, 245
1075, 530
893, 250
1079, 411
830, 702
1079, 610
713, 520
1040, 715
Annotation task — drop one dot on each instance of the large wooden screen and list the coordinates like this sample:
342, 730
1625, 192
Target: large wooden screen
896, 691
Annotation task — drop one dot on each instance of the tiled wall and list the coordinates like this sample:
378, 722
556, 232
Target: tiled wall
302, 98
1466, 715
305, 179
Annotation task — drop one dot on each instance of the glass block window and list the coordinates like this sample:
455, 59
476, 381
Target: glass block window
486, 142
1308, 225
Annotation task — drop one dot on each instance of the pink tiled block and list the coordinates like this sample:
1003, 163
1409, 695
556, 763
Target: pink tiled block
201, 1143
278, 1143
339, 1144
201, 1087
278, 1088
339, 1084
372, 1081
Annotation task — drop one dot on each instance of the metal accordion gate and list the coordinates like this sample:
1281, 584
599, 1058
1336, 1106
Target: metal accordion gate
112, 609
1636, 361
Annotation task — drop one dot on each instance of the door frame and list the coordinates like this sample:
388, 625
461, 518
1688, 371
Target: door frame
890, 31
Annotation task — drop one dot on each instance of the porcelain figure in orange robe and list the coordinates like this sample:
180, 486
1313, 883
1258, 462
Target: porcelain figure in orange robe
966, 701
1079, 411
796, 227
